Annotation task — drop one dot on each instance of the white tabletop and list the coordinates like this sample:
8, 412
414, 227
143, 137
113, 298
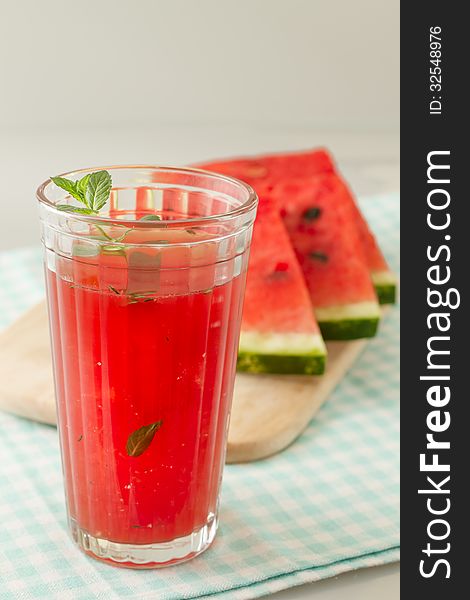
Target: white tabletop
369, 161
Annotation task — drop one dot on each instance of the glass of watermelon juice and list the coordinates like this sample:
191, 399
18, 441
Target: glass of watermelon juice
144, 319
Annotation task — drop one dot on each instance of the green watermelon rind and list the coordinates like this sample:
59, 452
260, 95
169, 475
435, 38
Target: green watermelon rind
349, 329
281, 364
387, 294
281, 353
385, 285
349, 321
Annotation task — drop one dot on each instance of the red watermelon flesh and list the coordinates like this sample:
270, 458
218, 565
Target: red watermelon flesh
279, 331
320, 221
382, 277
263, 172
274, 167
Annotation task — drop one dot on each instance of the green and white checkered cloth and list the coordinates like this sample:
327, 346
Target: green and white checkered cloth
327, 504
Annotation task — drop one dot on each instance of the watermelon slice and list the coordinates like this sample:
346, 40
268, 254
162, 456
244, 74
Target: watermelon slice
384, 280
279, 332
265, 171
320, 223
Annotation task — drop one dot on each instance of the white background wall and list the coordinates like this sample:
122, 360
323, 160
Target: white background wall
320, 63
99, 81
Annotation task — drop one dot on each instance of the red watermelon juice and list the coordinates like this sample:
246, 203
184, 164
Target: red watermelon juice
144, 337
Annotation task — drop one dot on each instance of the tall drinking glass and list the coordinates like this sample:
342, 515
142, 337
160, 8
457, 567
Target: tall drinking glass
144, 319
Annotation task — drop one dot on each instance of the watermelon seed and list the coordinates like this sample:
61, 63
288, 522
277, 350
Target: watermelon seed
320, 256
310, 214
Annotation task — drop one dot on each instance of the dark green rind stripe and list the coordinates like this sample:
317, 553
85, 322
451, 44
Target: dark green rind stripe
282, 364
349, 329
386, 293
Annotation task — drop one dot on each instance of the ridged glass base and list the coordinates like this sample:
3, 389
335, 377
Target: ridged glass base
146, 556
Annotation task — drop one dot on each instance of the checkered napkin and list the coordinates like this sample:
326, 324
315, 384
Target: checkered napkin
327, 504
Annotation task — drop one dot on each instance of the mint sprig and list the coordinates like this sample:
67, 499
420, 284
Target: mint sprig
98, 188
92, 191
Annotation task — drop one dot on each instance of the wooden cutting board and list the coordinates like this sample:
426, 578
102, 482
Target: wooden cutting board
269, 411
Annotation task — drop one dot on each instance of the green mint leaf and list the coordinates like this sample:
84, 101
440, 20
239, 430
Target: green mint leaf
150, 218
82, 184
74, 209
140, 439
69, 186
98, 188
65, 184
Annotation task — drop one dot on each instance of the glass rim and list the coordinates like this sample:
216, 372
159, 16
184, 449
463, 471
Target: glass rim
247, 206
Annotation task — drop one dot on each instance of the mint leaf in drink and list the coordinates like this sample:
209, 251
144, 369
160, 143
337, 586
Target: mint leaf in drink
97, 191
145, 296
113, 249
141, 438
150, 218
